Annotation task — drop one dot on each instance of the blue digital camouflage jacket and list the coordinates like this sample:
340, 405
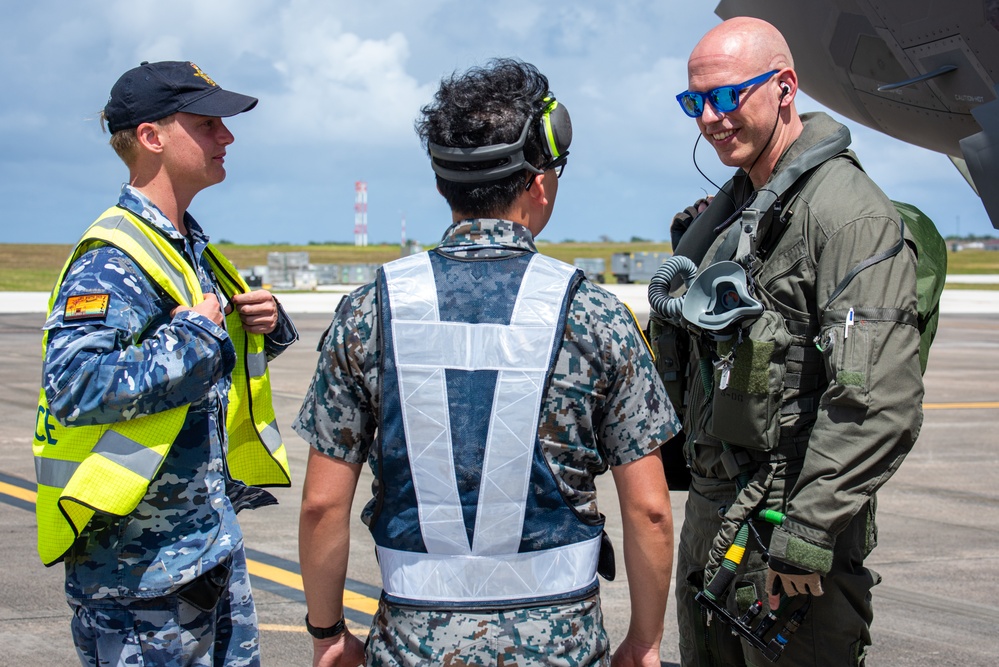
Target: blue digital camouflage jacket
134, 361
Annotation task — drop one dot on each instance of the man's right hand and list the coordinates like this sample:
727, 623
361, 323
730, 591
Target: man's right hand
210, 308
793, 580
344, 650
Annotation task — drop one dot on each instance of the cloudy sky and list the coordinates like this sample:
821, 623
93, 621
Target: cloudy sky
340, 84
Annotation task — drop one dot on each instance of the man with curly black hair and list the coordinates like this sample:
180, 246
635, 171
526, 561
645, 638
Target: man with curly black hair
487, 386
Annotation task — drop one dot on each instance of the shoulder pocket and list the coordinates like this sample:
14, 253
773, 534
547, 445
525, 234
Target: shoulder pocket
847, 351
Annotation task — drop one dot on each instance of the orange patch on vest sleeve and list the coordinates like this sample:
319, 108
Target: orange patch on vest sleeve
86, 306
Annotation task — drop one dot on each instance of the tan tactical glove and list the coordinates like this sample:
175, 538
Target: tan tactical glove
792, 580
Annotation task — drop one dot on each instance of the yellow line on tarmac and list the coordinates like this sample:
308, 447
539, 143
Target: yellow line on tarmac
355, 628
275, 574
274, 627
980, 405
278, 575
18, 492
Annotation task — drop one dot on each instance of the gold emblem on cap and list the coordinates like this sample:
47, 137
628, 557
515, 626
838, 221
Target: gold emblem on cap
198, 73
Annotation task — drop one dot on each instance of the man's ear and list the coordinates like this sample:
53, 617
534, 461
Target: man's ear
537, 191
150, 137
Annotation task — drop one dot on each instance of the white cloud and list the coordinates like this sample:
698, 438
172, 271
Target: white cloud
340, 84
341, 87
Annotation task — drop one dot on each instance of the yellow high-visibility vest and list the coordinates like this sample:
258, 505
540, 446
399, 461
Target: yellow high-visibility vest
108, 467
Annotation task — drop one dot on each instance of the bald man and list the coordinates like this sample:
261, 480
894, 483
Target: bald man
809, 408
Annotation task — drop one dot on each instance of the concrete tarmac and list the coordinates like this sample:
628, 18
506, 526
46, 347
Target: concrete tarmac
939, 517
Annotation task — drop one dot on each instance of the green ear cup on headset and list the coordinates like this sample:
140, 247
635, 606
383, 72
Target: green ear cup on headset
555, 129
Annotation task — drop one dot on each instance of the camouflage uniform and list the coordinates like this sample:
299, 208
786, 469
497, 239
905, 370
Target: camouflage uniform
850, 412
138, 361
603, 393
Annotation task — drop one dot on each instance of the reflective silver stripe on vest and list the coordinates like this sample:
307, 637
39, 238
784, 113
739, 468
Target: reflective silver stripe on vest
129, 454
125, 226
513, 428
423, 396
424, 349
256, 364
271, 437
534, 574
54, 472
112, 446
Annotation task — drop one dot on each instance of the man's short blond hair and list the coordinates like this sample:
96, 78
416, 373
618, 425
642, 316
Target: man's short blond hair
123, 142
126, 142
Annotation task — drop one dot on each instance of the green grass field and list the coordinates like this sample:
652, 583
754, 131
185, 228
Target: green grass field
34, 267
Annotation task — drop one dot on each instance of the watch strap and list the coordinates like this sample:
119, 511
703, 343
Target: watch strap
325, 633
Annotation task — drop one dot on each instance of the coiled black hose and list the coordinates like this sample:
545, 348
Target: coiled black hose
661, 303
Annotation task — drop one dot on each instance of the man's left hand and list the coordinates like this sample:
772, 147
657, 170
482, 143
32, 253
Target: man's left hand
258, 311
635, 654
792, 579
344, 650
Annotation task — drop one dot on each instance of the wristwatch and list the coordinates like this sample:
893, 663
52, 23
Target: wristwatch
325, 633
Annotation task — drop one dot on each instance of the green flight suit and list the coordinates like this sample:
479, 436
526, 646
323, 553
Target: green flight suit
848, 409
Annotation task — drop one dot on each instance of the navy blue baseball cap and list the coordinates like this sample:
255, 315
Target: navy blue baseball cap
153, 91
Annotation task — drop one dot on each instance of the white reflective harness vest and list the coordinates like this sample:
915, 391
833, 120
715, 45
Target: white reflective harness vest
502, 560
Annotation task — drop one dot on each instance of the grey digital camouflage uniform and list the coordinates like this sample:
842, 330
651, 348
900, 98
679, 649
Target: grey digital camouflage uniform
138, 361
605, 407
568, 635
856, 414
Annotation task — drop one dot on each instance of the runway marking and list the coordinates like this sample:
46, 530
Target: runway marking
290, 579
363, 605
274, 627
18, 492
355, 628
981, 405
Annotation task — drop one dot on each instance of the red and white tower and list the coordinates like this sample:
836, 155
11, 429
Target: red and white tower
403, 244
360, 213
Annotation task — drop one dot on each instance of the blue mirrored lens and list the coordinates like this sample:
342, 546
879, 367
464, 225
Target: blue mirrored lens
692, 104
725, 98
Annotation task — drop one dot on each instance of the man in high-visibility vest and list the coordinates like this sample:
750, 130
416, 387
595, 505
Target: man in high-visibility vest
152, 341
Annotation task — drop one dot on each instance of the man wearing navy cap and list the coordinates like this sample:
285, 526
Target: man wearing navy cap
155, 425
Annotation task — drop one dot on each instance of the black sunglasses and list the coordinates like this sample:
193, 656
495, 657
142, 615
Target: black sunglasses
558, 164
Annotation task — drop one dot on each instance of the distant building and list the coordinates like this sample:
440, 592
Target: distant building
592, 267
632, 267
410, 247
956, 245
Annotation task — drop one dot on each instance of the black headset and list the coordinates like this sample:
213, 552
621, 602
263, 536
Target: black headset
554, 129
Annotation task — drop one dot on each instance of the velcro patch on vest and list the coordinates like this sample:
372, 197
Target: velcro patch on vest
87, 307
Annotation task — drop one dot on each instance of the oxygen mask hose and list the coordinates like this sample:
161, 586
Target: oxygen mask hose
661, 303
726, 572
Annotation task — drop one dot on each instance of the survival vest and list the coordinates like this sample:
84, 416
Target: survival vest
672, 345
107, 468
789, 343
469, 513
